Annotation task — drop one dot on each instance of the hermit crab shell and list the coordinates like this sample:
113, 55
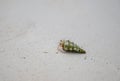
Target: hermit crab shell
69, 46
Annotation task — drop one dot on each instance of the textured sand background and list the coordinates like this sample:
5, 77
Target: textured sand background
31, 29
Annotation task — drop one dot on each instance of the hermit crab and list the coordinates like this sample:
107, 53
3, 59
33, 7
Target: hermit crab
68, 46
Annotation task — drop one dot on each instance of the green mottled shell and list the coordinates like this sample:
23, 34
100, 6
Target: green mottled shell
72, 47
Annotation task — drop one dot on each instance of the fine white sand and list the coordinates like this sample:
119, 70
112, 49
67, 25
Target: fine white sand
30, 31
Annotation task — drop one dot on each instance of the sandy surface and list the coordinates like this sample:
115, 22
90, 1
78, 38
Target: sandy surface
31, 29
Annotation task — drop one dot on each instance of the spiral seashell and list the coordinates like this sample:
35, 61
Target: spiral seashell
69, 46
